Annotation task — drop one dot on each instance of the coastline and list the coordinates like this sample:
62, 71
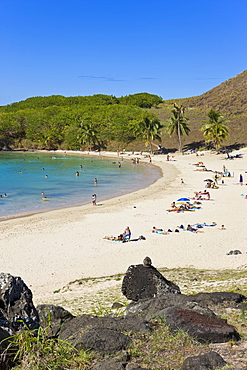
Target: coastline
74, 202
49, 250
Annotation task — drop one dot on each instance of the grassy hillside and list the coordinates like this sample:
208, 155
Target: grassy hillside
229, 98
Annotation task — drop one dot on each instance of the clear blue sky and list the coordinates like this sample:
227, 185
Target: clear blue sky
172, 48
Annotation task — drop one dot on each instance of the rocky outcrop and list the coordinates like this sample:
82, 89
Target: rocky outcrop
52, 318
16, 306
148, 309
216, 298
145, 281
201, 327
152, 297
122, 324
103, 340
116, 364
208, 361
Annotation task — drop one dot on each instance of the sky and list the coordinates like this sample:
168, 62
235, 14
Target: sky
171, 48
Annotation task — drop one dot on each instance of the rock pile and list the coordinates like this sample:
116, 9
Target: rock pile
152, 297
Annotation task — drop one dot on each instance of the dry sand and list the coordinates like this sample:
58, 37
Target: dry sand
49, 250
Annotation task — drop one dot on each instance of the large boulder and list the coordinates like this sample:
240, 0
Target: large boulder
208, 361
145, 281
110, 364
71, 329
116, 364
16, 306
216, 298
103, 340
157, 307
52, 318
201, 327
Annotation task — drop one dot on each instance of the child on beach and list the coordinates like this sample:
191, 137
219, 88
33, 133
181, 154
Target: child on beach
94, 197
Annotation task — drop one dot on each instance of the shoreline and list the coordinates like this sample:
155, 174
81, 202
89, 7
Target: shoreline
103, 155
51, 249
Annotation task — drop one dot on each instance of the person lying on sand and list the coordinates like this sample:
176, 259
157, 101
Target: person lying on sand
180, 209
193, 230
115, 238
190, 207
159, 231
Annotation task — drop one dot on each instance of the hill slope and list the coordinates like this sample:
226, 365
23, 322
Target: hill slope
229, 98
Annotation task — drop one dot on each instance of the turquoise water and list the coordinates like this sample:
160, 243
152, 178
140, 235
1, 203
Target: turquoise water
24, 176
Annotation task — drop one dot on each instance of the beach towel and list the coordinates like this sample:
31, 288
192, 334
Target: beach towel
204, 224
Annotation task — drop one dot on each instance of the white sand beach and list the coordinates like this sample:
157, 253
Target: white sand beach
49, 250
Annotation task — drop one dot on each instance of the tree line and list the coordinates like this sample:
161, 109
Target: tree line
94, 122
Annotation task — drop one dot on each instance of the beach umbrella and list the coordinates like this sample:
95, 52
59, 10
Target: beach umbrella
183, 200
209, 180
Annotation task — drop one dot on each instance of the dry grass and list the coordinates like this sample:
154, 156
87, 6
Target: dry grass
160, 349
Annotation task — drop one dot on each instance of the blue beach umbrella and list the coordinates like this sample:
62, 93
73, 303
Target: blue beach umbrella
183, 200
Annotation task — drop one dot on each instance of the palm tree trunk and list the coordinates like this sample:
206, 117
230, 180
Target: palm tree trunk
179, 136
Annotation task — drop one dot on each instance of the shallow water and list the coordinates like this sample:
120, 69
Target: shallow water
24, 176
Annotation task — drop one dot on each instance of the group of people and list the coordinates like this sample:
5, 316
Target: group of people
186, 206
196, 228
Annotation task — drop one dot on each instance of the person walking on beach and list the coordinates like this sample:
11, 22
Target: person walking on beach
94, 197
95, 181
241, 179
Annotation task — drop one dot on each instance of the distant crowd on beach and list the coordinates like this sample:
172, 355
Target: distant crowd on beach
189, 204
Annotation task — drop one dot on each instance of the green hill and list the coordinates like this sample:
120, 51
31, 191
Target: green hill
56, 121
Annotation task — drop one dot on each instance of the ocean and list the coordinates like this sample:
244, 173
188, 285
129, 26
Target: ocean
65, 179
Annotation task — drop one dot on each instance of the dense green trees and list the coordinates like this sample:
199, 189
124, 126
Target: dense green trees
143, 100
98, 121
78, 122
215, 130
178, 124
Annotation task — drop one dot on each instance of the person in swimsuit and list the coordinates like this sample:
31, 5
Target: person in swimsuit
94, 197
158, 231
127, 233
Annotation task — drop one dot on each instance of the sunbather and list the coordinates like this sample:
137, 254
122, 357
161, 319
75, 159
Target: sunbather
193, 230
115, 238
158, 231
127, 233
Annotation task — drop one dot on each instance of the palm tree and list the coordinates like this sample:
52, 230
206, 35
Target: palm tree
87, 134
214, 129
177, 124
149, 129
